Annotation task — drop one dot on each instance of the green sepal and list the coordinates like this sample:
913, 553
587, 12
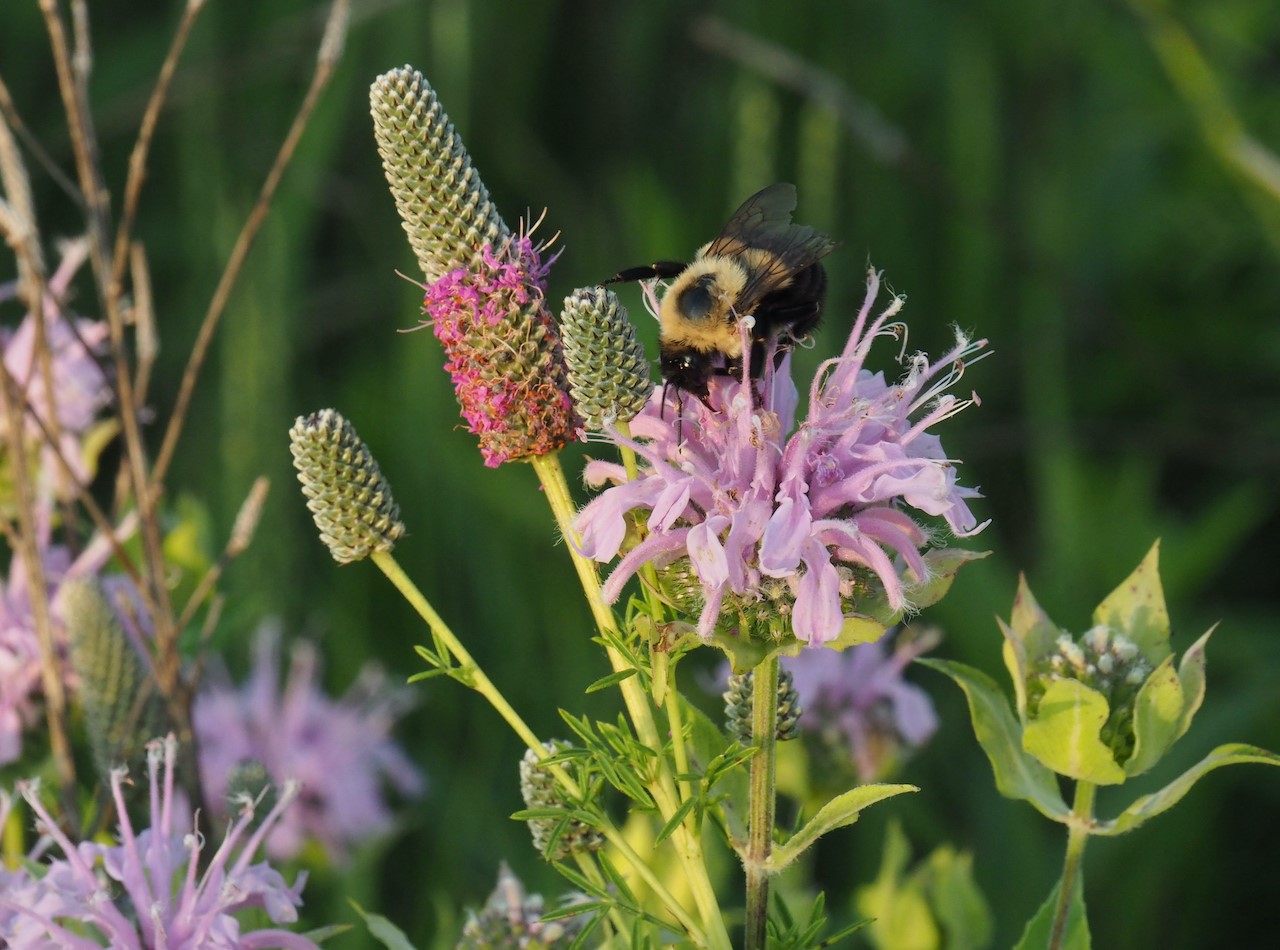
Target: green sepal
1191, 675
1018, 774
1029, 636
1137, 609
1148, 806
1040, 927
842, 810
1065, 734
1157, 716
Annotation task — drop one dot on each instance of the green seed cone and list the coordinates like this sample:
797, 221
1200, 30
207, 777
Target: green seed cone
554, 839
608, 372
348, 497
443, 204
737, 707
122, 710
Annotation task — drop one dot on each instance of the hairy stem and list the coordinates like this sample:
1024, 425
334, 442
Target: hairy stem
762, 800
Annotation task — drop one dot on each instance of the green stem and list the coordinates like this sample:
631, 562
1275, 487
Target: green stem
762, 801
481, 683
1077, 838
476, 676
661, 786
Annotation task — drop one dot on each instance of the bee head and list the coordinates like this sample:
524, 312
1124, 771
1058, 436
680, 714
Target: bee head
698, 299
688, 370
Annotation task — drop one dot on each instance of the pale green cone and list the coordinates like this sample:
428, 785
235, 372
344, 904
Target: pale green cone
348, 497
608, 373
443, 204
122, 711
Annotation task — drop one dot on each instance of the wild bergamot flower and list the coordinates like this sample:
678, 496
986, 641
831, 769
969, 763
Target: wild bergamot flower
792, 534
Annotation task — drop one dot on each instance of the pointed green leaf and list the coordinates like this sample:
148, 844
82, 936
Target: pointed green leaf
605, 682
840, 811
1040, 928
1030, 624
942, 564
1064, 735
956, 900
674, 821
1148, 806
384, 931
1191, 674
1014, 652
1157, 715
1136, 608
1017, 774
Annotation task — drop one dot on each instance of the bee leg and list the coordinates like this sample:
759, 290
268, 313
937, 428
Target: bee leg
646, 271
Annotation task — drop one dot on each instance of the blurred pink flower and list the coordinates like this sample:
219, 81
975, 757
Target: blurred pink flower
150, 889
80, 388
340, 752
858, 703
20, 681
796, 528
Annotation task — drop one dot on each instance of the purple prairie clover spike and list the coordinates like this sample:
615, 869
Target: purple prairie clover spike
608, 372
348, 497
503, 352
781, 531
553, 838
443, 204
513, 918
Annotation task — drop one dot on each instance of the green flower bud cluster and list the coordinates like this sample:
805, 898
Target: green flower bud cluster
608, 373
348, 497
555, 838
1108, 663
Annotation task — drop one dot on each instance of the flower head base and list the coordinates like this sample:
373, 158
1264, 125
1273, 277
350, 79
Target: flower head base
608, 373
511, 918
503, 351
800, 539
1108, 704
339, 749
152, 889
553, 838
349, 499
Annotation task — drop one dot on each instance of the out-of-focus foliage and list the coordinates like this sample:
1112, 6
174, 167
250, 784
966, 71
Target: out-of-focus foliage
1035, 174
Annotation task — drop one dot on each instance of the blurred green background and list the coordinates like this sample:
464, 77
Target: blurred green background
1062, 178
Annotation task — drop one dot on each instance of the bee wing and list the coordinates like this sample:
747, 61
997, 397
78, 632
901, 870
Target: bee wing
763, 223
760, 222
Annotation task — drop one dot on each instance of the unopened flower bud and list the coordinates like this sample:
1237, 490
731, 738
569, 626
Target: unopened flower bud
608, 373
348, 497
737, 707
122, 711
554, 838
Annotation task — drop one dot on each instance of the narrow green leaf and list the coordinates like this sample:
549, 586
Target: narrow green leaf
384, 931
605, 682
1148, 806
1065, 734
1018, 775
575, 910
674, 821
581, 881
1040, 927
840, 811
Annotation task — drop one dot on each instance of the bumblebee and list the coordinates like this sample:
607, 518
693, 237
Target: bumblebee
759, 265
